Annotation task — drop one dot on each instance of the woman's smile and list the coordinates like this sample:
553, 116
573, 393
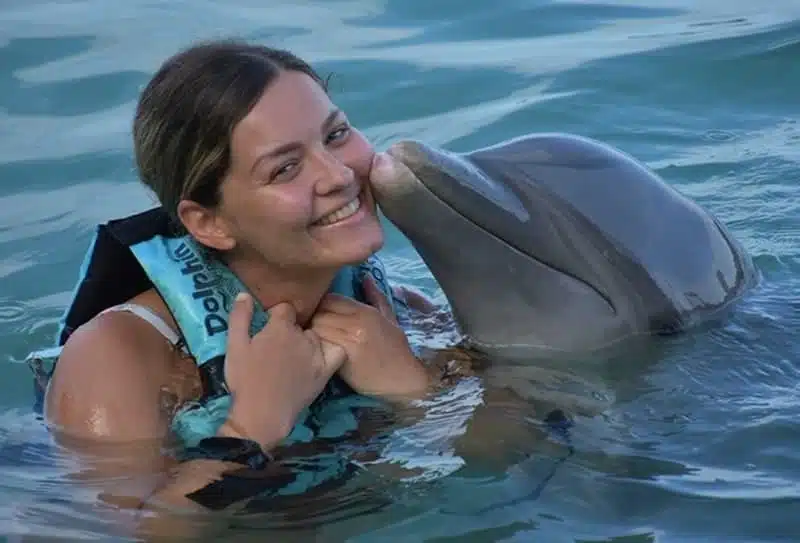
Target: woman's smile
352, 211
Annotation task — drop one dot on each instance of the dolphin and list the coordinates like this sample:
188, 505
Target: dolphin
552, 245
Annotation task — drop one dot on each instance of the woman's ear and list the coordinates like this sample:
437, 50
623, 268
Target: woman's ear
205, 225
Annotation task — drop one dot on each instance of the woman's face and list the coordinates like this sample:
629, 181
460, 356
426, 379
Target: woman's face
297, 194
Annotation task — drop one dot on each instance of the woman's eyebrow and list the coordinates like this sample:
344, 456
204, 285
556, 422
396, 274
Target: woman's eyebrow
292, 146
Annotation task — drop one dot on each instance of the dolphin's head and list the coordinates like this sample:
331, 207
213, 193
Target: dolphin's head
554, 244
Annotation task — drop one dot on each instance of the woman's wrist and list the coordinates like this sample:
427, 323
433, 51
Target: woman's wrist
414, 382
268, 436
423, 381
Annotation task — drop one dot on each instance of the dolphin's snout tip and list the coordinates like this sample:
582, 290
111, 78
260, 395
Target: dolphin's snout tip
406, 150
383, 167
389, 174
395, 151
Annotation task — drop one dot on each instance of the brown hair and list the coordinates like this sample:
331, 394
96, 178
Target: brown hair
188, 110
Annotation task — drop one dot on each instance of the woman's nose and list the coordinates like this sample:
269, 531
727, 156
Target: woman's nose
331, 173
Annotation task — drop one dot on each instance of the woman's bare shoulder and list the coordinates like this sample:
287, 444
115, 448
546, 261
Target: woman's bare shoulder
109, 378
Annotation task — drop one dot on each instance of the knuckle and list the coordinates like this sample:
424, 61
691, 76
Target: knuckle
317, 368
360, 335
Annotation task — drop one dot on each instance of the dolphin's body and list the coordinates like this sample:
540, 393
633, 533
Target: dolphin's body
553, 244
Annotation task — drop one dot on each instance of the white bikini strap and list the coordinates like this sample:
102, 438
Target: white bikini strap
147, 314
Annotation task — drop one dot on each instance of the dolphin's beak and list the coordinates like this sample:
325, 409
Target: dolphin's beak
400, 150
456, 180
413, 154
390, 175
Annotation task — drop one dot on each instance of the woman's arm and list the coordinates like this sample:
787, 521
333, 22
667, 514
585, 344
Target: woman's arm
105, 405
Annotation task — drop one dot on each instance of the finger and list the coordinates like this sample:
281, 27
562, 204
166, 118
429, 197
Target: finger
377, 298
330, 332
283, 312
339, 304
385, 169
334, 356
318, 364
313, 338
328, 315
239, 322
324, 317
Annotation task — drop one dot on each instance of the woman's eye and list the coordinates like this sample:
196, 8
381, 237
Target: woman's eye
338, 134
284, 170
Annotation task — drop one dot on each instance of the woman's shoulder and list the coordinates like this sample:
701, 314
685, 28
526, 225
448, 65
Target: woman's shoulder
140, 326
114, 363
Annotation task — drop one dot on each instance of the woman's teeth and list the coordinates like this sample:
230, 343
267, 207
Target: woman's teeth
340, 214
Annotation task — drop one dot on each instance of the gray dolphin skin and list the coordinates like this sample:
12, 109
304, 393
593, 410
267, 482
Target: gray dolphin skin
553, 244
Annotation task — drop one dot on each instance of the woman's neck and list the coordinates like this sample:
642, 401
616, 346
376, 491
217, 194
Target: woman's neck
271, 286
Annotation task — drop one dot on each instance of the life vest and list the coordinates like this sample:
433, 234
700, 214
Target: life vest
131, 255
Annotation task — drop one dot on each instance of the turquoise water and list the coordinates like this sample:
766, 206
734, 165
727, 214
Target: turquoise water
700, 441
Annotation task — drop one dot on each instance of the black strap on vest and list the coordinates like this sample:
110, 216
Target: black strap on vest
212, 377
113, 275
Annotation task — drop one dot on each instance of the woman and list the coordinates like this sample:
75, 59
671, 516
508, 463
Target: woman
269, 183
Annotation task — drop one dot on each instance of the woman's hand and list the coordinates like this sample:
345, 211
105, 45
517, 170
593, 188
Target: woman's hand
379, 359
275, 374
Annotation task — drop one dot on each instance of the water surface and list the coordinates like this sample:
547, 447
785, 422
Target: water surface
699, 442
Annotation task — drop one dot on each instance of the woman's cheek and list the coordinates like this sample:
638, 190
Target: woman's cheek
358, 154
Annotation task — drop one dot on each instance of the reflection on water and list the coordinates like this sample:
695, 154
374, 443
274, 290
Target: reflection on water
480, 457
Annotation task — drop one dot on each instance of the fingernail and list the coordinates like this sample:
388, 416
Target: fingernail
241, 297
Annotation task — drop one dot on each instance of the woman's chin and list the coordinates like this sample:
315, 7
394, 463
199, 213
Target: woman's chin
354, 242
358, 248
365, 248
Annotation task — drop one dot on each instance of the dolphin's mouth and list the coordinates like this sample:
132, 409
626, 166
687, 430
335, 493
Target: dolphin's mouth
485, 191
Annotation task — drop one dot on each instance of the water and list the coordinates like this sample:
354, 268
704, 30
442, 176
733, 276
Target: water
699, 443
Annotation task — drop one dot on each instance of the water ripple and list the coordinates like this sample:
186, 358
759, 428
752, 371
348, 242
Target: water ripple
11, 312
32, 215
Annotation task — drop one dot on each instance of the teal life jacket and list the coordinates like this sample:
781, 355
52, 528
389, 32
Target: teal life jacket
131, 255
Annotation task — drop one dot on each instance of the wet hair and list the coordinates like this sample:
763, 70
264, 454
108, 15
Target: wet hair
187, 112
